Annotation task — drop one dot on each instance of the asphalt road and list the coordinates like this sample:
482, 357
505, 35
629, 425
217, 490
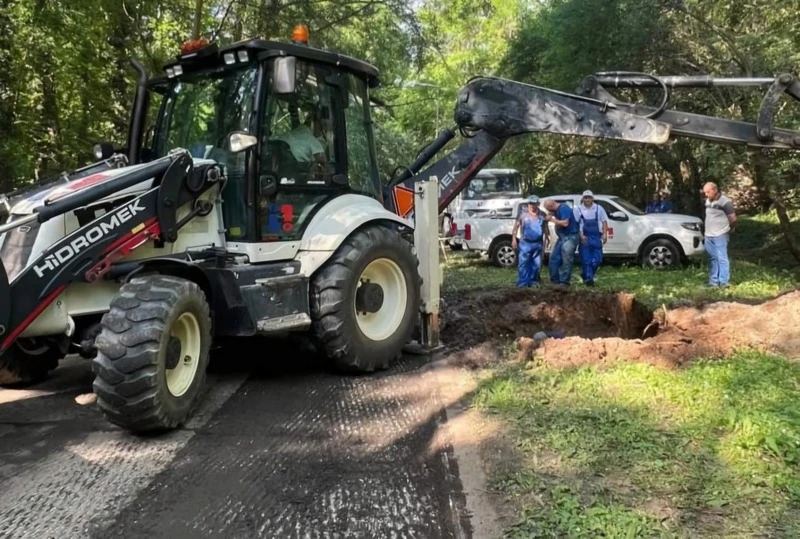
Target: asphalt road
289, 452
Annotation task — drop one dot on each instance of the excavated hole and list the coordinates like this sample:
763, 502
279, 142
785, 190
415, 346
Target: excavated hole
601, 327
504, 314
477, 325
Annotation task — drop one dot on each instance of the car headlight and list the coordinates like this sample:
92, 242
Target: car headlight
691, 226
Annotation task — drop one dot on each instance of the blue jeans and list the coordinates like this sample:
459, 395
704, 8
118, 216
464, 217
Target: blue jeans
717, 249
562, 259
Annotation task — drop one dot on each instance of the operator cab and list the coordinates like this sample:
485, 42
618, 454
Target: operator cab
290, 124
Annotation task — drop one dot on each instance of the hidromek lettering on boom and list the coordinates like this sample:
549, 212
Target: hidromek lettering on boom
93, 235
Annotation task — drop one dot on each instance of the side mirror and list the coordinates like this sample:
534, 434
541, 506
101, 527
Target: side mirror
240, 141
103, 150
284, 73
618, 216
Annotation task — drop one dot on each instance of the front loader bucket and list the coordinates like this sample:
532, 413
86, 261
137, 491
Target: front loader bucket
5, 301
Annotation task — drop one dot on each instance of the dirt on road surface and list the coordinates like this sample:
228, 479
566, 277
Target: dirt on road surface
594, 327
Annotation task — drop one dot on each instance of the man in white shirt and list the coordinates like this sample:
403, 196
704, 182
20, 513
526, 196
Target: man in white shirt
593, 223
306, 148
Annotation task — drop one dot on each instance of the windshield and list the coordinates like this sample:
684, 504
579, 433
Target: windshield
198, 114
202, 110
627, 205
493, 186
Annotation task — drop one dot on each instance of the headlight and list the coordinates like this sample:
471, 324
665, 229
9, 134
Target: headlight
691, 226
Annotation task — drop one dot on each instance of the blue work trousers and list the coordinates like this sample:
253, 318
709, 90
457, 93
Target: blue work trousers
717, 249
591, 257
562, 259
592, 251
529, 263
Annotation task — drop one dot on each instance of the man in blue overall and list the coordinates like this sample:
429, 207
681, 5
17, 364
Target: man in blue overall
593, 235
562, 257
535, 236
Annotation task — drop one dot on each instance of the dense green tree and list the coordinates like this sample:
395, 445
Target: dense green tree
66, 81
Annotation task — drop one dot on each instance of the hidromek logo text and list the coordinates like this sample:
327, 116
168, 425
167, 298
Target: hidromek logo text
93, 235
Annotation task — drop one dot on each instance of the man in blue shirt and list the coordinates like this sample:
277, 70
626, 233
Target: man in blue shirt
593, 223
655, 205
562, 257
666, 204
534, 237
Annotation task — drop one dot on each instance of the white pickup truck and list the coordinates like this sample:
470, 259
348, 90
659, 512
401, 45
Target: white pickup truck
660, 240
493, 192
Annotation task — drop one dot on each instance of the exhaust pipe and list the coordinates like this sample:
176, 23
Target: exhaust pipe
138, 114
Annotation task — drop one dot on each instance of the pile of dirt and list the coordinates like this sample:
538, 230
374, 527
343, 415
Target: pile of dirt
602, 327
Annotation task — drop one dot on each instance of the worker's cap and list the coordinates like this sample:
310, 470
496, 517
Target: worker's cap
588, 194
533, 199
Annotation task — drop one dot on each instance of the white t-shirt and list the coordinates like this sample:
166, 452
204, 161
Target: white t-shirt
303, 143
589, 213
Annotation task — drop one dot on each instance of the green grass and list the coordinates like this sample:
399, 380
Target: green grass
760, 268
633, 450
637, 451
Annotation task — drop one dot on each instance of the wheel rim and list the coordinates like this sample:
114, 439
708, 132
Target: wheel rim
660, 256
187, 331
386, 320
506, 256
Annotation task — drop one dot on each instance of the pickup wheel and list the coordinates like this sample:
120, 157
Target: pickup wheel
661, 254
365, 301
29, 361
152, 353
502, 254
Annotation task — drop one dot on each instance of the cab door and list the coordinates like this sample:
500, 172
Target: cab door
619, 228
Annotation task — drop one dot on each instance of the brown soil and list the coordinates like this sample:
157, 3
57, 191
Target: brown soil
603, 327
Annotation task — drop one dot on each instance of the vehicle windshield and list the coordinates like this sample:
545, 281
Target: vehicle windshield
199, 113
627, 205
494, 185
202, 110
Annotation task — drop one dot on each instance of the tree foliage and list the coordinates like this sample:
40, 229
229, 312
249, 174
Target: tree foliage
65, 80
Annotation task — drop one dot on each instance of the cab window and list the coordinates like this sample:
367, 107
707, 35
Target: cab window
199, 113
301, 154
362, 170
610, 208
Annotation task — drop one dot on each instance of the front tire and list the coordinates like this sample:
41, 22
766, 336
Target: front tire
29, 361
502, 254
365, 301
152, 353
661, 254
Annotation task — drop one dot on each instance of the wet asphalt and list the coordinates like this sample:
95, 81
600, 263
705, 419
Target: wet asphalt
289, 451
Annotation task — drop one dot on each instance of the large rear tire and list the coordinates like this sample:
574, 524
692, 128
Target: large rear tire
365, 301
152, 353
29, 361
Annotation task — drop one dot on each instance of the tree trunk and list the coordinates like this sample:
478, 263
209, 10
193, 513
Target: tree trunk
761, 169
786, 223
198, 17
681, 164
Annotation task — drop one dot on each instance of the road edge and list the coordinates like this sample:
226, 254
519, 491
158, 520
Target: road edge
483, 518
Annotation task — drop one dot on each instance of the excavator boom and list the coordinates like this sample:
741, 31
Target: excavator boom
491, 110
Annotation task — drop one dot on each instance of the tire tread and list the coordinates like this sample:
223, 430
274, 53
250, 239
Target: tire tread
126, 365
